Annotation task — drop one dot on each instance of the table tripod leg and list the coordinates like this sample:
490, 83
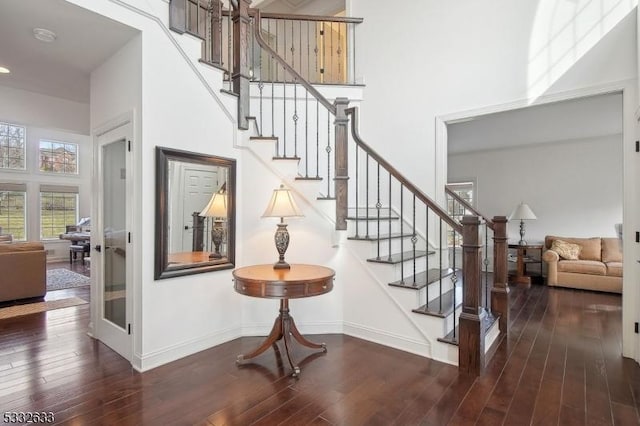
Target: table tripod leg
274, 336
287, 344
300, 338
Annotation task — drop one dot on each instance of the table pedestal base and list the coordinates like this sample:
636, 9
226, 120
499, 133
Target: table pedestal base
283, 328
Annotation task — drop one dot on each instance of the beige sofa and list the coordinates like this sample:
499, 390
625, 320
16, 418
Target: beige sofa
599, 264
24, 271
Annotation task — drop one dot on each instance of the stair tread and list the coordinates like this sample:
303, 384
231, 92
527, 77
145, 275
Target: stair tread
384, 216
379, 237
400, 257
433, 307
423, 278
286, 158
452, 338
314, 178
263, 138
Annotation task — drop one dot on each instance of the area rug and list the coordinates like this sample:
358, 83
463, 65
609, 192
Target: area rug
34, 308
58, 279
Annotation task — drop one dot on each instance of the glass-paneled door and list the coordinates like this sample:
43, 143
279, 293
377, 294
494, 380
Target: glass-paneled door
113, 273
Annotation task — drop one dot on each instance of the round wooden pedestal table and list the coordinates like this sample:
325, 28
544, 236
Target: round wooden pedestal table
297, 282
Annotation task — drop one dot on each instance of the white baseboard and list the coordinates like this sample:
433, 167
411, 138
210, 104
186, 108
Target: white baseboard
157, 358
262, 329
491, 336
403, 343
163, 356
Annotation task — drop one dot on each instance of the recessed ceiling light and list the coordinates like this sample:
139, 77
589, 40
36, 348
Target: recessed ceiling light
45, 35
4, 70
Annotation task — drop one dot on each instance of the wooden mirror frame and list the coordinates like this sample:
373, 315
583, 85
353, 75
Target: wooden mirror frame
162, 268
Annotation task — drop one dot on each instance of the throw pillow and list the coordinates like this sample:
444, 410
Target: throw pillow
566, 250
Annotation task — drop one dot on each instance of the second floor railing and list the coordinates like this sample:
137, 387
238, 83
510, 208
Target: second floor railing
320, 48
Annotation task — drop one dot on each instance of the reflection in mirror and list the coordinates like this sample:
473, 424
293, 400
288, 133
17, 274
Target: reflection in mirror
195, 223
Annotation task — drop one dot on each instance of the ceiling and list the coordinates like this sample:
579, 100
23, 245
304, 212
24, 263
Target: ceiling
62, 68
561, 121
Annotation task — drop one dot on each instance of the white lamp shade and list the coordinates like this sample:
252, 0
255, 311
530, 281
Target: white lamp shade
522, 212
217, 206
282, 204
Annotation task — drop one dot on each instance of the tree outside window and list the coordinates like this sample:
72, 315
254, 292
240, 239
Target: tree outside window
13, 214
57, 210
12, 146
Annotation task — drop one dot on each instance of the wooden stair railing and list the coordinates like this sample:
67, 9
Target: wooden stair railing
500, 288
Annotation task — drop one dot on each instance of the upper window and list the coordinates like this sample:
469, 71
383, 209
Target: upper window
58, 208
13, 211
58, 157
12, 146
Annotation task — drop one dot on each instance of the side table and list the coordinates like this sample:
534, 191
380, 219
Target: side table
526, 254
300, 281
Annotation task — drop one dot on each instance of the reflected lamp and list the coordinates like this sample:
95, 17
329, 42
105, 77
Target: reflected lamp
217, 209
282, 205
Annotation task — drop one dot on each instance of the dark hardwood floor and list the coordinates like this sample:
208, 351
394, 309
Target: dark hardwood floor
560, 365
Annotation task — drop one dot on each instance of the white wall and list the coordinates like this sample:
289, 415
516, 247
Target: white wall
446, 57
39, 110
573, 187
44, 116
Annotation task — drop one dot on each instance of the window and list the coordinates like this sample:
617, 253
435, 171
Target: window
12, 210
58, 157
58, 208
456, 209
12, 146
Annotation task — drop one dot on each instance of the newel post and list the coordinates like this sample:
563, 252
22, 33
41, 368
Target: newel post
471, 340
240, 77
500, 290
216, 32
341, 162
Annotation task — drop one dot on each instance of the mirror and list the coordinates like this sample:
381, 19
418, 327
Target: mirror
195, 213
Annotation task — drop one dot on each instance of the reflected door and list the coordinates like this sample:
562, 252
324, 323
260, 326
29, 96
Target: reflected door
115, 311
199, 185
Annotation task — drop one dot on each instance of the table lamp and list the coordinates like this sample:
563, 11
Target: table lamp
217, 209
522, 212
282, 205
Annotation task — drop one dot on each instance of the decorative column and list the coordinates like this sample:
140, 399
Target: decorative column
471, 340
341, 179
240, 77
500, 289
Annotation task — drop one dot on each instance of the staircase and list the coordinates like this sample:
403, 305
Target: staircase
410, 244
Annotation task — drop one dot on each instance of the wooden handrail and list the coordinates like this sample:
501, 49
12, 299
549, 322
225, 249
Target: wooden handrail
396, 174
255, 13
468, 206
312, 18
